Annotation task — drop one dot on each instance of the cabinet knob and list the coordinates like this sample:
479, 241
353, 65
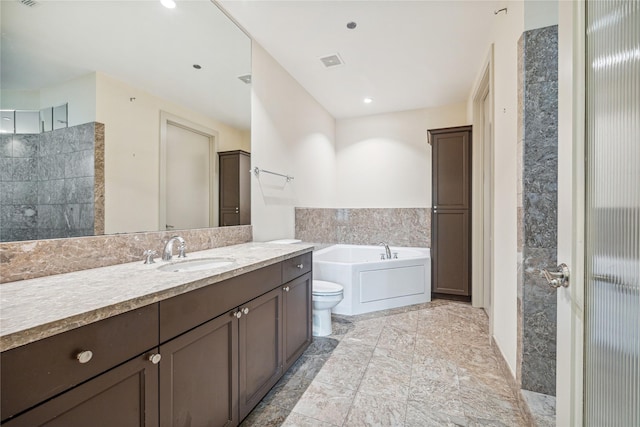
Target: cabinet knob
84, 356
155, 358
237, 314
300, 266
245, 310
286, 289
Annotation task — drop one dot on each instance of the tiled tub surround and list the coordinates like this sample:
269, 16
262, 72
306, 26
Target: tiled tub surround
408, 227
427, 365
538, 206
52, 184
38, 308
27, 260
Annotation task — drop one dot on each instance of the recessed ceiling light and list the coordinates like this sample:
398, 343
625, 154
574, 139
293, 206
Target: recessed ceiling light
351, 25
367, 100
197, 66
169, 4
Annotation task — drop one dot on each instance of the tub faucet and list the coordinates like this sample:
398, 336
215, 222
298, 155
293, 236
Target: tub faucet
167, 253
386, 249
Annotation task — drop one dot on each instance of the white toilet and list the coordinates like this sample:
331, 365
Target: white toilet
325, 296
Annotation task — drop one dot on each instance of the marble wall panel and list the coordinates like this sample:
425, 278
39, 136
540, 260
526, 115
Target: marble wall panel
39, 258
537, 240
365, 226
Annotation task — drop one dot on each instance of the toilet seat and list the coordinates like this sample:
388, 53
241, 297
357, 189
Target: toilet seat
321, 287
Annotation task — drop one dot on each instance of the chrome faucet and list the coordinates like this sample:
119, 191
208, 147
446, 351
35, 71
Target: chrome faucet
386, 249
167, 253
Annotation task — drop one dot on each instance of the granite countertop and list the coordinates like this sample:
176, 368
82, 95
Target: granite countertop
38, 308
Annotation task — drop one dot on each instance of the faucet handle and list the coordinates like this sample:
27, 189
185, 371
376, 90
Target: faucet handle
149, 254
182, 250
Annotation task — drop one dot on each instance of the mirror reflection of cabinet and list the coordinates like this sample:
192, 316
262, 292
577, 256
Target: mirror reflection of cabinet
235, 188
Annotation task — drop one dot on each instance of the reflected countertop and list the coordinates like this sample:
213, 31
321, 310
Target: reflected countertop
38, 308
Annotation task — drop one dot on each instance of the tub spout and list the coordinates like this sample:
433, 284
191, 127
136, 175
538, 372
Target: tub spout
386, 249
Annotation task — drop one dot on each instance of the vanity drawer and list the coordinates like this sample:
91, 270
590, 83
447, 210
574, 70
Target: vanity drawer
37, 371
295, 267
184, 312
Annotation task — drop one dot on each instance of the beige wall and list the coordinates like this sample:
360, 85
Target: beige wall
506, 32
384, 160
291, 134
132, 150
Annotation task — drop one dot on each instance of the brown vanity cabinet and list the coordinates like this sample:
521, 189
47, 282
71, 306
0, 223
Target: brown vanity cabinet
260, 348
199, 375
218, 351
33, 373
297, 321
126, 396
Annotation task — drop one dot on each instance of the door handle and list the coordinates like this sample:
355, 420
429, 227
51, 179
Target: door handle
558, 278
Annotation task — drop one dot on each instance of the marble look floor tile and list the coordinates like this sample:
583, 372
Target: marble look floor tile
376, 411
396, 338
308, 366
325, 402
419, 415
438, 396
387, 376
287, 391
424, 366
488, 406
366, 333
298, 420
343, 371
265, 416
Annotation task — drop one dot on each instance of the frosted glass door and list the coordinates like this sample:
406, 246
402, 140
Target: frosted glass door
612, 291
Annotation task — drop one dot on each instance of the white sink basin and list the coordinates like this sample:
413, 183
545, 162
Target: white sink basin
196, 264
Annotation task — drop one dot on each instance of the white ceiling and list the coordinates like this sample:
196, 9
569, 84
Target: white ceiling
138, 42
403, 54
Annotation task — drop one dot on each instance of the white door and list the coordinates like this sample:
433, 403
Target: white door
570, 300
487, 204
188, 178
598, 343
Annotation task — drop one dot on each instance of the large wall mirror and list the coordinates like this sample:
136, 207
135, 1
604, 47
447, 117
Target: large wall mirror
152, 94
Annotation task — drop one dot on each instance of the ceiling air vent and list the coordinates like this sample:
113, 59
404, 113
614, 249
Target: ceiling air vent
246, 78
332, 60
29, 3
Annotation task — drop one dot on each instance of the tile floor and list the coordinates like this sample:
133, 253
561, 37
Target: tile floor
425, 365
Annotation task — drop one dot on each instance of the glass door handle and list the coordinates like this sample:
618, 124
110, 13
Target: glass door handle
558, 278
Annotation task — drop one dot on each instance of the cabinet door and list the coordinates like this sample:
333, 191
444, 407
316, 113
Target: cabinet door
126, 396
297, 318
235, 188
260, 348
199, 376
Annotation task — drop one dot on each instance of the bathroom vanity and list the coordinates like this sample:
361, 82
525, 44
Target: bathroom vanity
203, 351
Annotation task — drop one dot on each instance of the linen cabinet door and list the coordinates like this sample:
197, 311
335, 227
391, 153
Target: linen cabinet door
260, 348
297, 318
125, 396
199, 376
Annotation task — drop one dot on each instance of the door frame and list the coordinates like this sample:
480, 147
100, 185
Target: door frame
571, 212
167, 119
483, 87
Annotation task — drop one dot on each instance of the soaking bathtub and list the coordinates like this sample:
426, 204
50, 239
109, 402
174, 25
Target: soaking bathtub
371, 283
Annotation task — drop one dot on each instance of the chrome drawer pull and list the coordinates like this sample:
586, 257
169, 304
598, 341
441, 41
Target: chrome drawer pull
300, 266
84, 356
155, 358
